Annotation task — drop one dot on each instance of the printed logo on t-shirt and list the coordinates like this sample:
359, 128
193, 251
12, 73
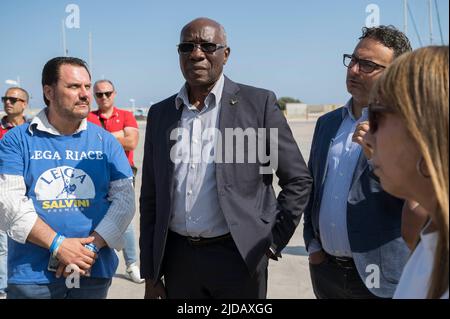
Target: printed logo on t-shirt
64, 188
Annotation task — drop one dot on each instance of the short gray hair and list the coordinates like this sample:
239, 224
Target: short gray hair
105, 81
27, 97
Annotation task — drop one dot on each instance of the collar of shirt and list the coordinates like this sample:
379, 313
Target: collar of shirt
6, 125
347, 110
115, 113
429, 239
212, 99
41, 123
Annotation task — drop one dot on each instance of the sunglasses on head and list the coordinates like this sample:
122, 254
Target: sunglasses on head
207, 47
100, 94
13, 100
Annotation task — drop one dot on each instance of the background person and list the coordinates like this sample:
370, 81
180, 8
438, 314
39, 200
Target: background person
15, 102
123, 126
409, 137
350, 222
209, 227
65, 192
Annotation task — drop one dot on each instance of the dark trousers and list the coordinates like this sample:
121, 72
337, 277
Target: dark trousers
210, 271
332, 280
90, 288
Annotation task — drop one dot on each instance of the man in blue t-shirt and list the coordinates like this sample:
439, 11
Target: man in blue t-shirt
66, 194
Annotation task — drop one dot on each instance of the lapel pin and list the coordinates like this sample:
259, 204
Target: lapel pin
234, 101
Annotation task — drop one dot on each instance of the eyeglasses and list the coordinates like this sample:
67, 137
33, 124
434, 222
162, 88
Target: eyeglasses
207, 47
365, 66
13, 100
376, 114
100, 94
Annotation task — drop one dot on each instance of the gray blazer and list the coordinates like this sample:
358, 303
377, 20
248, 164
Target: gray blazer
256, 218
373, 216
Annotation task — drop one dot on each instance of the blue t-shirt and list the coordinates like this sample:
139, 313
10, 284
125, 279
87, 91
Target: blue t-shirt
68, 179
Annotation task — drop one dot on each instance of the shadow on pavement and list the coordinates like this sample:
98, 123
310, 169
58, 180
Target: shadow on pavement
121, 276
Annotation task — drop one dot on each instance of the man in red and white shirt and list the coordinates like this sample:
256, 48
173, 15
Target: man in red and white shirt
123, 126
15, 102
118, 122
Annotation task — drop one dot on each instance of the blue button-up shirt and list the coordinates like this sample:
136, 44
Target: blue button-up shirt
196, 211
342, 160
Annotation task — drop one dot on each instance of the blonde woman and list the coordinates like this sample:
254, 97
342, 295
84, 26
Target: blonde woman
409, 131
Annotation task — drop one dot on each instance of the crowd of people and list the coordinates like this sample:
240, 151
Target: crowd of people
374, 193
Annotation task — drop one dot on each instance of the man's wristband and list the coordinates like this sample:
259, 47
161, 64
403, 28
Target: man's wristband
57, 241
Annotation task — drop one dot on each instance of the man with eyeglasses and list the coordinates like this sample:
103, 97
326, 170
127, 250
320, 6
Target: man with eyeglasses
352, 228
15, 102
123, 126
66, 194
208, 226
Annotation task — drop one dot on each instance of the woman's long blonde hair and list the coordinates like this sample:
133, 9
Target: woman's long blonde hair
416, 87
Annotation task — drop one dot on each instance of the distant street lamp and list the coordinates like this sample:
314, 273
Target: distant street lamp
133, 106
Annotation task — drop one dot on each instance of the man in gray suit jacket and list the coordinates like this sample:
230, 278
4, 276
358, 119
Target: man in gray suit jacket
352, 228
209, 216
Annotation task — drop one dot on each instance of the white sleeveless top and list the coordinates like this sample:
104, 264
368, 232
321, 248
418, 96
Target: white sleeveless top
416, 276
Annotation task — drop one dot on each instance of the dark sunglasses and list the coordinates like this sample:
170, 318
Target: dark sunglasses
365, 66
100, 94
376, 114
207, 47
13, 100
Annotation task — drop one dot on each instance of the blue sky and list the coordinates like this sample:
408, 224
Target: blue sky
293, 47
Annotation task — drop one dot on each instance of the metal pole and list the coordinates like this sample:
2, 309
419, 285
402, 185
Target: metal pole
415, 26
91, 67
439, 21
405, 16
64, 38
133, 105
430, 13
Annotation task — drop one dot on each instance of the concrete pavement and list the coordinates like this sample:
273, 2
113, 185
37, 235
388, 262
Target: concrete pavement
288, 277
